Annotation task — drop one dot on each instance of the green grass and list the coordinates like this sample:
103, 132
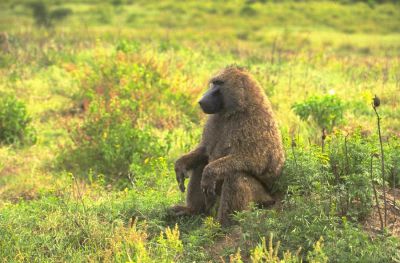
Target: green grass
98, 182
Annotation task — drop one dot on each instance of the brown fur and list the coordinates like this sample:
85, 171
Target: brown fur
241, 151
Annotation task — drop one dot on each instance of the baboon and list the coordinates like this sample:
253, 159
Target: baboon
240, 154
4, 44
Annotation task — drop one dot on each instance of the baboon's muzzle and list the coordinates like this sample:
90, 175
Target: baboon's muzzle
212, 101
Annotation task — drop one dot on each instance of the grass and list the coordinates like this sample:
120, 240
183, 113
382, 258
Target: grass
112, 90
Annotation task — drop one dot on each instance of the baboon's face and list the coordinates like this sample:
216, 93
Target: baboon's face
213, 101
226, 92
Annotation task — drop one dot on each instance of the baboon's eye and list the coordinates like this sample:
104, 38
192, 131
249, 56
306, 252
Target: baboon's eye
217, 82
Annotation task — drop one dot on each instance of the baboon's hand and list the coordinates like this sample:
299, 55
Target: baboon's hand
208, 182
180, 172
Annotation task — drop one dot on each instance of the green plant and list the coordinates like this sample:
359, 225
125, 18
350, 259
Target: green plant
326, 111
46, 18
121, 115
349, 164
375, 104
15, 122
269, 254
300, 225
108, 142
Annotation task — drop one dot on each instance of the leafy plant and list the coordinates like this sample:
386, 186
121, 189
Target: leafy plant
46, 18
109, 141
118, 134
15, 122
325, 110
349, 159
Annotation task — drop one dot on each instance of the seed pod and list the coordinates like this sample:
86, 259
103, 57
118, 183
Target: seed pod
377, 101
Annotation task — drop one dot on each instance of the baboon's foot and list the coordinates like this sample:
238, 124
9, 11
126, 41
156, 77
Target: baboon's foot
210, 202
180, 210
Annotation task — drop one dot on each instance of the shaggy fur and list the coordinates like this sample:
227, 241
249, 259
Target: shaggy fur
240, 154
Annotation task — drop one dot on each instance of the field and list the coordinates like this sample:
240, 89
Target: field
99, 98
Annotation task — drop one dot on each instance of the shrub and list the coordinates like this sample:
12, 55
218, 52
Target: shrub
248, 10
349, 159
46, 18
104, 14
127, 103
131, 244
325, 111
109, 140
107, 143
301, 225
262, 253
15, 123
340, 176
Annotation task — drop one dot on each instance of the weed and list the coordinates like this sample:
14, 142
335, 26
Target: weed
15, 122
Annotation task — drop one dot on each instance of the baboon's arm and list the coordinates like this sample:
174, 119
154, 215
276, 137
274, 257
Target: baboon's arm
218, 169
192, 159
188, 162
229, 164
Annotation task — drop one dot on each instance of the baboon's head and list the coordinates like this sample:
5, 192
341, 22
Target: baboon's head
230, 90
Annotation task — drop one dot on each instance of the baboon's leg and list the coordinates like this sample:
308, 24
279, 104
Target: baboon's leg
238, 191
211, 200
195, 200
195, 197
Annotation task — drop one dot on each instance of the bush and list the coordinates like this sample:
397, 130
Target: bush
303, 222
109, 140
349, 159
15, 123
46, 18
134, 242
128, 105
340, 176
248, 11
327, 193
325, 111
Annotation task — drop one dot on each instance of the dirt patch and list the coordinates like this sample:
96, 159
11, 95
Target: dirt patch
26, 195
9, 170
373, 222
231, 240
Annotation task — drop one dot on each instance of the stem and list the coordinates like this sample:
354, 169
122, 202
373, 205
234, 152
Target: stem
273, 51
346, 155
346, 172
80, 198
394, 186
338, 194
376, 196
292, 144
382, 163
